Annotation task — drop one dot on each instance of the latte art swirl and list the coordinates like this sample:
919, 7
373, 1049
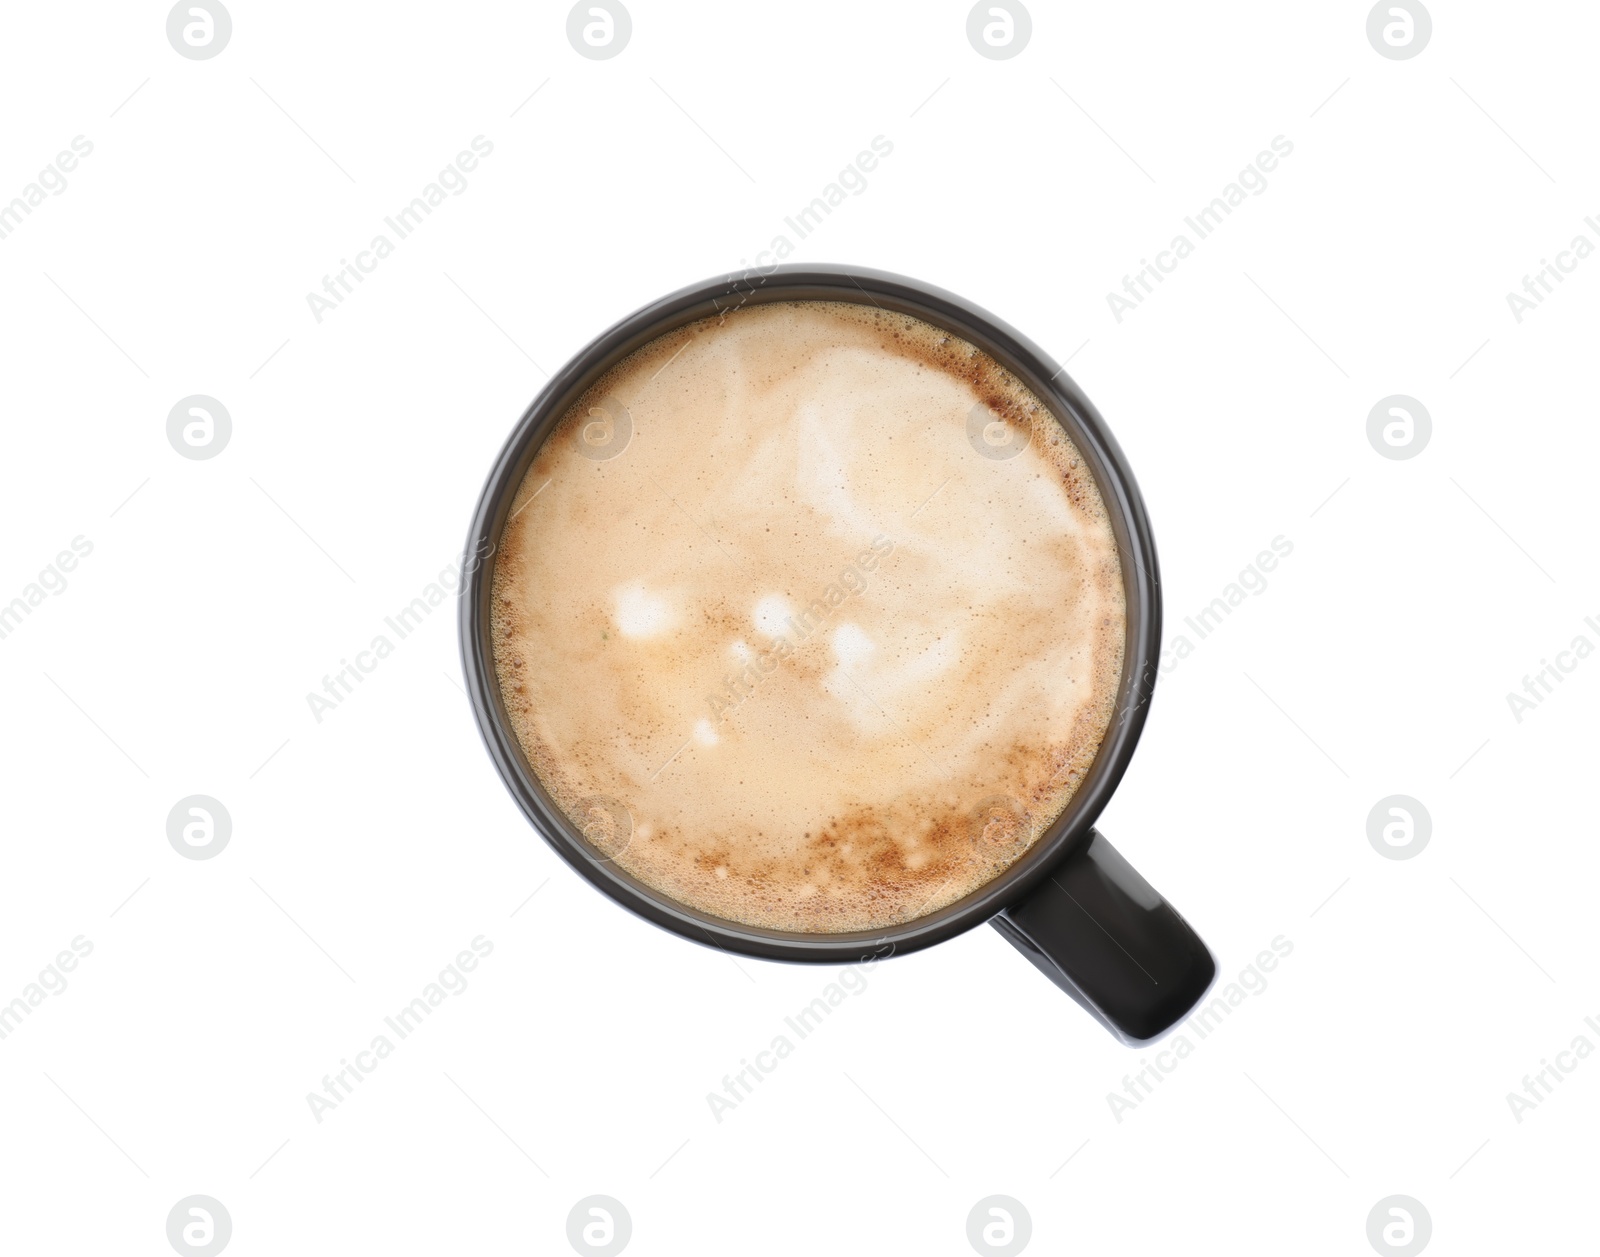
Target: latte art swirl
810, 617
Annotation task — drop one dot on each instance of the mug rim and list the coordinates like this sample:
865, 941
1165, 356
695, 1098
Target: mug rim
1017, 354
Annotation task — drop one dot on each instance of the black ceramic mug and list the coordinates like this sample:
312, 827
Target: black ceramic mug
1071, 904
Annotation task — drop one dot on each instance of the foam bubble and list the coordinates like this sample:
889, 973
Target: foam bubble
771, 615
641, 614
851, 645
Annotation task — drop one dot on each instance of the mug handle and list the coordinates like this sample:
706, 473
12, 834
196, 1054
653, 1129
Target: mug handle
1102, 934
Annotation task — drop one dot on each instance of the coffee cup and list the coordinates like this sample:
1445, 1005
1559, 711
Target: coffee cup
1069, 902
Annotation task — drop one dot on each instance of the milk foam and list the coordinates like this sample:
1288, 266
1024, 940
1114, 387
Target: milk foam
840, 667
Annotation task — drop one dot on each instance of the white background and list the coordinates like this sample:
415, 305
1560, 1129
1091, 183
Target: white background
368, 849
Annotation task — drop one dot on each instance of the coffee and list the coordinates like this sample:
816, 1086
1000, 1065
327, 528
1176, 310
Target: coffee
810, 617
